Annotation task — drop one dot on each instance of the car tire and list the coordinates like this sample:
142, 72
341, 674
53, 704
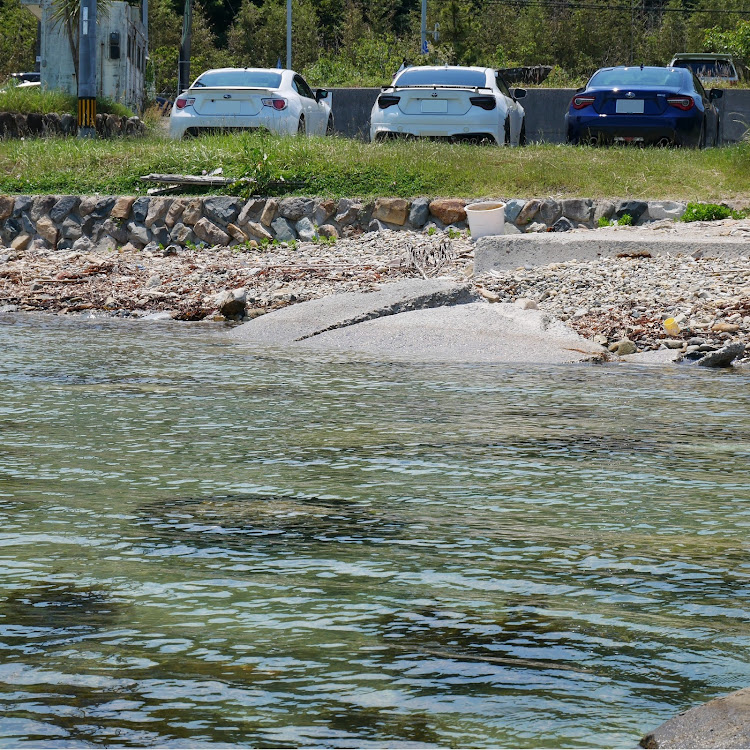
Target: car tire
522, 137
702, 136
329, 126
301, 129
716, 134
506, 130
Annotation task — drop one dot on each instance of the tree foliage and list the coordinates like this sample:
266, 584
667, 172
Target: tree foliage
17, 38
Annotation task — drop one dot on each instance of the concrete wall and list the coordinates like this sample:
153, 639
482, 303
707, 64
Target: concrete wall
545, 113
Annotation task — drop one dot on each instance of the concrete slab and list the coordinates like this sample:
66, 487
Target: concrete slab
464, 333
503, 253
720, 723
299, 322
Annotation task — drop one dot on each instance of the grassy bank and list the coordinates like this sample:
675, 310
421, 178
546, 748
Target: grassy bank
340, 167
33, 99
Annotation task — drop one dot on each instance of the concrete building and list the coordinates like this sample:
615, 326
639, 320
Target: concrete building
122, 33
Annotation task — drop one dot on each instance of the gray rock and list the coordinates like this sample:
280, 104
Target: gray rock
222, 210
623, 347
68, 124
283, 230
116, 230
722, 357
71, 229
549, 212
153, 282
323, 211
305, 229
536, 228
603, 210
328, 230
106, 244
207, 231
528, 212
231, 303
376, 226
419, 212
658, 210
137, 234
63, 207
511, 229
513, 208
42, 206
635, 209
348, 212
23, 203
140, 209
157, 210
182, 234
562, 225
578, 209
250, 211
295, 209
160, 233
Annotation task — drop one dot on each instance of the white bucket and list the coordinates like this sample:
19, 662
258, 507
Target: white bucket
485, 218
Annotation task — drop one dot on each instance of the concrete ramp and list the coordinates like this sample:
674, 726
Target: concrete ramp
302, 321
721, 723
506, 252
420, 321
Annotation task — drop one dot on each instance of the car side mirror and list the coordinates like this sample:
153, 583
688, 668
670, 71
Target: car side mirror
715, 94
321, 94
519, 93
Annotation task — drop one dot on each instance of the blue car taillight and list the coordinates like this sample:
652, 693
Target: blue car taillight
387, 100
579, 102
485, 102
684, 103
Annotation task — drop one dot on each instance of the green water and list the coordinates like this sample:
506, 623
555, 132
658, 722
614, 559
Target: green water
204, 545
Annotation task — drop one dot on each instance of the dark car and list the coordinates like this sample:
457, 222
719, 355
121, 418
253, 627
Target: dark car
644, 105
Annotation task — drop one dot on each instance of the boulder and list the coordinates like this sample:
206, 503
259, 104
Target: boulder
250, 211
22, 204
283, 230
21, 241
513, 208
635, 209
603, 210
231, 303
562, 225
258, 230
71, 229
42, 206
448, 210
174, 212
157, 210
295, 209
323, 211
578, 209
137, 234
122, 207
269, 212
391, 210
236, 233
221, 210
528, 212
193, 212
207, 231
140, 209
182, 235
347, 212
305, 229
7, 203
47, 229
658, 210
328, 230
549, 212
419, 213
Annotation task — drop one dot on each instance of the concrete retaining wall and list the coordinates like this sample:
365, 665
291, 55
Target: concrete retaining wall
545, 113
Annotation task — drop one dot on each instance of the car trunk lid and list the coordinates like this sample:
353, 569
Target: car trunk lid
436, 100
631, 101
229, 101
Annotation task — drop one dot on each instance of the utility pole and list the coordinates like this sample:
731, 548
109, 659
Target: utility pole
288, 34
87, 70
423, 46
183, 64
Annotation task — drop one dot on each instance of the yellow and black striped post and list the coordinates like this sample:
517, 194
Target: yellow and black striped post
87, 112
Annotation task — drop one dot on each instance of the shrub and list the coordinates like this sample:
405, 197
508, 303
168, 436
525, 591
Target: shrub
706, 212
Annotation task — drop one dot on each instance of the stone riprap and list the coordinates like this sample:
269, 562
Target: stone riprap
113, 221
33, 125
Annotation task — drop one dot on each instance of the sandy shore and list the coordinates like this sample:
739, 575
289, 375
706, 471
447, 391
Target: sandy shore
607, 300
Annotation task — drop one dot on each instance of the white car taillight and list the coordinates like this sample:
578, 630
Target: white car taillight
277, 103
183, 102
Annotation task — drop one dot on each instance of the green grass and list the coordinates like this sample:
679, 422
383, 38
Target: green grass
34, 99
337, 167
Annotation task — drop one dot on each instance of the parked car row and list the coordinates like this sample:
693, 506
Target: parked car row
663, 106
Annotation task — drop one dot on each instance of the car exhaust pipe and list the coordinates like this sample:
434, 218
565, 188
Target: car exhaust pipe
664, 142
593, 140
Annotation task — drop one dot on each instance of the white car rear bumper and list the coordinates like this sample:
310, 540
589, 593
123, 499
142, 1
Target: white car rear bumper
180, 122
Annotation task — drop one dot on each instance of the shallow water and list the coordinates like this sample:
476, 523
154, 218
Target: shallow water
201, 545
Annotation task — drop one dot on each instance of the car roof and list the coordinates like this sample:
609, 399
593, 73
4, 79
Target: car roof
253, 70
701, 56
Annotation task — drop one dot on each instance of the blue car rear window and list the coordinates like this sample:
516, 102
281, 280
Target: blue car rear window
638, 77
250, 78
445, 77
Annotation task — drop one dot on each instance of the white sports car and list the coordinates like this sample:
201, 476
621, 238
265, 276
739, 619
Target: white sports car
458, 103
250, 99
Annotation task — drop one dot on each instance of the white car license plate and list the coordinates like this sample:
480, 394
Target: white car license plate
225, 108
629, 106
434, 105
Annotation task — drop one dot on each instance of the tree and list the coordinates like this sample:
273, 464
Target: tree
17, 38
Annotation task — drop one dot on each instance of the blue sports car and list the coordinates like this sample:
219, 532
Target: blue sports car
644, 105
